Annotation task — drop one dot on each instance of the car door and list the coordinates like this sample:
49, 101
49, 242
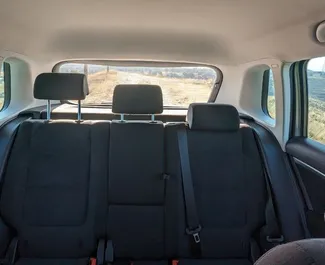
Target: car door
306, 147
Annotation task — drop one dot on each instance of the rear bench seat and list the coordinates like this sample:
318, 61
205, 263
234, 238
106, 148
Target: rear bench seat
52, 182
69, 184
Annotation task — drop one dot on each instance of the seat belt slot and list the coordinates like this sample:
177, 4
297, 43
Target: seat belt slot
100, 256
275, 239
109, 252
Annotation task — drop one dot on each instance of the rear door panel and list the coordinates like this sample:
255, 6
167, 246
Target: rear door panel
309, 160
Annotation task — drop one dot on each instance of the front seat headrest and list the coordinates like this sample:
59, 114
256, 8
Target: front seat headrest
212, 117
61, 86
303, 252
137, 99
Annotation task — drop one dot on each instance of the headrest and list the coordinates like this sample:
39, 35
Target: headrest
303, 252
212, 117
137, 99
61, 86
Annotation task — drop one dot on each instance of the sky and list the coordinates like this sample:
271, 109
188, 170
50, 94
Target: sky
317, 64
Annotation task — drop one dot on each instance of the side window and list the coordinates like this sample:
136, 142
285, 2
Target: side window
4, 86
268, 94
316, 99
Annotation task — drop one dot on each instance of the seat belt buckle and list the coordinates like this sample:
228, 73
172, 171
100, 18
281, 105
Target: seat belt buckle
196, 237
109, 252
276, 240
100, 255
195, 233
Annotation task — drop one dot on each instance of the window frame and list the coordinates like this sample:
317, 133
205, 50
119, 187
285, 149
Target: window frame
6, 85
132, 63
265, 93
305, 105
300, 101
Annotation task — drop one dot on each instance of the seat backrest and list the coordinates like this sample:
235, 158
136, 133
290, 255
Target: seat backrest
54, 172
227, 177
136, 175
302, 252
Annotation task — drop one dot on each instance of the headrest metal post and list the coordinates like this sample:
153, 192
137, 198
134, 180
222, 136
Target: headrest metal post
48, 112
152, 117
79, 110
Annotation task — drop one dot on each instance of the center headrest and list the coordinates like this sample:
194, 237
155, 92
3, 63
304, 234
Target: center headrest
61, 86
213, 117
137, 99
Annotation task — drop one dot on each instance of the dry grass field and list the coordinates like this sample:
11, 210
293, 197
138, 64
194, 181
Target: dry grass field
176, 91
316, 118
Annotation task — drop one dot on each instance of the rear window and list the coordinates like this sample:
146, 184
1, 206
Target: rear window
180, 85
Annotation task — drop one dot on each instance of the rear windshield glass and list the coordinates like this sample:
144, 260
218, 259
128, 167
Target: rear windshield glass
180, 85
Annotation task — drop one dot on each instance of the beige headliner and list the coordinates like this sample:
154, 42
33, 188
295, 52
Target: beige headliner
207, 31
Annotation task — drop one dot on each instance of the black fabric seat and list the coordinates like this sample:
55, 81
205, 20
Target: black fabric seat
33, 261
69, 184
215, 262
136, 187
228, 184
50, 193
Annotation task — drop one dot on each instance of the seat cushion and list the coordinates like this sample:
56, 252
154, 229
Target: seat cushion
24, 261
141, 262
188, 262
214, 262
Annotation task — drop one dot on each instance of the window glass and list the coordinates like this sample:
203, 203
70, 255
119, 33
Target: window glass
316, 99
2, 87
268, 100
180, 85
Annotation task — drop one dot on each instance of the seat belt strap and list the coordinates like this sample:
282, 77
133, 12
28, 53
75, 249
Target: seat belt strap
272, 233
11, 253
193, 225
255, 252
5, 153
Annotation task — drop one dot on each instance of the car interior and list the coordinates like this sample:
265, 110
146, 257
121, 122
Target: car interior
140, 132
